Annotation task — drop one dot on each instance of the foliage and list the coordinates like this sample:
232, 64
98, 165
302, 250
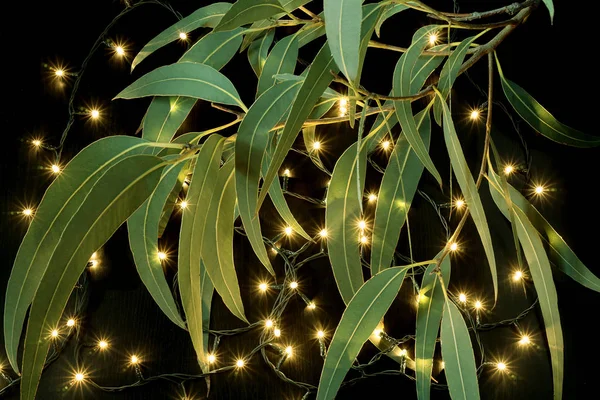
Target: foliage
125, 179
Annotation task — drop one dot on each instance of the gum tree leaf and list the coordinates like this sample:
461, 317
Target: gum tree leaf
171, 201
398, 187
142, 227
215, 49
258, 50
185, 79
244, 12
206, 289
281, 60
342, 215
164, 117
310, 32
429, 314
60, 202
403, 74
344, 18
458, 356
250, 147
388, 11
358, 322
469, 190
550, 6
111, 200
192, 223
208, 17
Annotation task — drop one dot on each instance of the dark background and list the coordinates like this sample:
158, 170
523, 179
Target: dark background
553, 63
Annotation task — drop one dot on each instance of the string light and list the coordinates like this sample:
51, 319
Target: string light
79, 377
55, 168
94, 263
312, 305
385, 145
183, 204
103, 345
377, 332
59, 72
183, 36
289, 351
475, 114
263, 287
277, 332
478, 305
293, 285
286, 173
362, 224
28, 212
134, 359
459, 203
462, 298
323, 233
36, 142
344, 102
316, 145
372, 197
288, 230
240, 363
433, 38
71, 322
454, 246
54, 334
501, 366
320, 334
94, 114
364, 239
162, 255
509, 169
119, 50
524, 341
268, 323
539, 190
517, 276
94, 255
212, 358
403, 352
443, 365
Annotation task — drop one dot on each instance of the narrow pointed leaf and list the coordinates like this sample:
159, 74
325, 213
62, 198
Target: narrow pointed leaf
192, 223
250, 147
258, 50
244, 12
186, 79
429, 314
215, 49
343, 25
208, 16
458, 356
342, 214
216, 241
310, 32
358, 322
281, 60
397, 190
164, 117
388, 11
469, 190
59, 204
172, 199
142, 227
114, 197
550, 6
403, 73
541, 120
206, 289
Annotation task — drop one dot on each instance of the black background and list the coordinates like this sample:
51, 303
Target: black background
554, 63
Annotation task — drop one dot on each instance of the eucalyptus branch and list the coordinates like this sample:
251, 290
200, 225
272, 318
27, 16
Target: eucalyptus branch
510, 9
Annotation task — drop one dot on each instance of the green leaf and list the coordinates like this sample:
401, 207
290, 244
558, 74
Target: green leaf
429, 314
449, 74
164, 117
469, 190
388, 11
310, 32
215, 49
142, 227
206, 289
216, 241
208, 16
258, 50
60, 202
550, 6
457, 352
171, 201
113, 198
358, 322
186, 79
403, 74
247, 11
192, 224
342, 215
343, 26
560, 252
541, 120
317, 80
250, 147
396, 193
281, 60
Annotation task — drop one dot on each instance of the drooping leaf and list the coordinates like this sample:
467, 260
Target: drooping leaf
342, 216
206, 289
215, 49
216, 241
258, 50
403, 73
449, 74
164, 117
429, 314
208, 16
192, 223
142, 227
469, 190
358, 322
550, 6
250, 147
398, 187
111, 200
457, 352
540, 119
244, 12
343, 26
60, 202
281, 60
388, 11
167, 210
185, 79
310, 32
317, 80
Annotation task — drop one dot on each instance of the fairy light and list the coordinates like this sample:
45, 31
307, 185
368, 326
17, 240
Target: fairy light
372, 197
59, 72
539, 190
162, 255
36, 142
94, 263
478, 305
134, 359
286, 173
274, 250
103, 345
475, 114
433, 38
385, 145
183, 204
320, 334
377, 332
263, 287
462, 298
240, 363
54, 334
289, 350
55, 168
344, 102
183, 36
524, 341
501, 366
277, 332
403, 352
288, 230
459, 203
94, 113
362, 224
120, 51
316, 145
94, 255
79, 377
517, 276
443, 365
509, 169
312, 305
71, 323
268, 323
323, 233
293, 285
364, 239
454, 246
212, 358
28, 212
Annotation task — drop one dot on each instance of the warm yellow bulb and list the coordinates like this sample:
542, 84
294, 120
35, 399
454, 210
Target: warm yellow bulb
344, 102
268, 323
183, 205
286, 172
263, 287
312, 305
386, 144
478, 305
362, 224
240, 363
377, 332
459, 203
316, 145
539, 189
433, 38
517, 276
364, 239
71, 323
36, 142
120, 50
79, 377
320, 334
94, 255
294, 285
55, 168
54, 333
94, 263
103, 345
454, 246
212, 358
509, 169
28, 212
183, 35
403, 352
443, 365
95, 114
524, 341
162, 255
288, 230
277, 332
59, 72
475, 115
134, 359
462, 298
343, 111
323, 233
372, 197
501, 366
289, 351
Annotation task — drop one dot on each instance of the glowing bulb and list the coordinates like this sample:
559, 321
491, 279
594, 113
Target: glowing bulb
377, 332
372, 197
286, 173
501, 366
539, 189
462, 298
269, 323
95, 114
263, 287
323, 233
364, 239
274, 250
276, 332
59, 73
343, 102
475, 115
343, 111
478, 305
362, 224
312, 305
517, 276
79, 377
459, 203
183, 35
509, 169
134, 360
120, 50
55, 168
36, 142
54, 333
183, 205
240, 363
103, 345
93, 263
433, 39
403, 352
211, 358
162, 255
294, 285
94, 255
288, 230
454, 246
386, 145
316, 145
524, 341
71, 323
320, 334
28, 212
289, 351
443, 365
